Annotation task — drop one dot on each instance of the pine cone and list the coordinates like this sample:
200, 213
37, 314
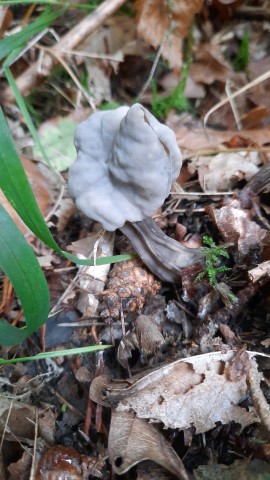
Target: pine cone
129, 286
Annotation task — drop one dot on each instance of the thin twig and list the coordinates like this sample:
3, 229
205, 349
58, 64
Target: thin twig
255, 82
32, 472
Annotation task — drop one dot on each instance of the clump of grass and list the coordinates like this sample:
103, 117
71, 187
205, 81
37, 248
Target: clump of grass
177, 99
241, 60
162, 105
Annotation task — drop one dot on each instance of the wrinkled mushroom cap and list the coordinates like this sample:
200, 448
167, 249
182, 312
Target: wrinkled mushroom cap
126, 163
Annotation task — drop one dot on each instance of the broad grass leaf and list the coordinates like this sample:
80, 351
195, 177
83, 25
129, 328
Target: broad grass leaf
19, 263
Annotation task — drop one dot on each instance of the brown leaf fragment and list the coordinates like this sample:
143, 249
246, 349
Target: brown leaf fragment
236, 227
162, 22
209, 65
238, 367
150, 339
132, 440
196, 139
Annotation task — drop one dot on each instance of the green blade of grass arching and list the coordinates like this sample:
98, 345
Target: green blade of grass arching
15, 185
18, 40
57, 353
21, 104
19, 263
51, 2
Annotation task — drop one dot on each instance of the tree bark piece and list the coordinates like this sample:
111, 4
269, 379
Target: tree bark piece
33, 75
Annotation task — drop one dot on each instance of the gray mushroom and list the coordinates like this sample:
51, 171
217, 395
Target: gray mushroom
126, 163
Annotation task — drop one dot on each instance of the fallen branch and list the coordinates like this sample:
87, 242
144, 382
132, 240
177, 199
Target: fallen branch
34, 75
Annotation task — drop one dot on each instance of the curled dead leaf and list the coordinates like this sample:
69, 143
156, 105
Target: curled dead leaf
132, 440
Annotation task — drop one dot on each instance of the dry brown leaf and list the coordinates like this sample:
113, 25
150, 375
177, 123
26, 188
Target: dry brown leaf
132, 440
209, 65
195, 391
255, 117
150, 339
21, 420
221, 172
198, 139
236, 227
162, 22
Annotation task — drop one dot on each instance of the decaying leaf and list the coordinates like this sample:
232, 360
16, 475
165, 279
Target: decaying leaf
147, 338
236, 227
18, 419
162, 22
197, 391
221, 172
209, 65
196, 139
132, 440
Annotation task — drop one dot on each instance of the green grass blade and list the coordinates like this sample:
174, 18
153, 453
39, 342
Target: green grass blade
15, 185
50, 2
57, 353
19, 263
18, 40
21, 103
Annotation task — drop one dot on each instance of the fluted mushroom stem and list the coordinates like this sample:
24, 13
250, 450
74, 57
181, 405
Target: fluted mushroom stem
164, 256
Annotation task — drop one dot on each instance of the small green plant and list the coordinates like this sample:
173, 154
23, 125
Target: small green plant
212, 253
177, 99
241, 60
162, 105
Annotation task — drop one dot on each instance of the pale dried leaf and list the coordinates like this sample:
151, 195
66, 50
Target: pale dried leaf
221, 172
132, 440
192, 392
162, 22
236, 227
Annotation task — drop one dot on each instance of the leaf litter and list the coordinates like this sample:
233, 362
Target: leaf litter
182, 401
